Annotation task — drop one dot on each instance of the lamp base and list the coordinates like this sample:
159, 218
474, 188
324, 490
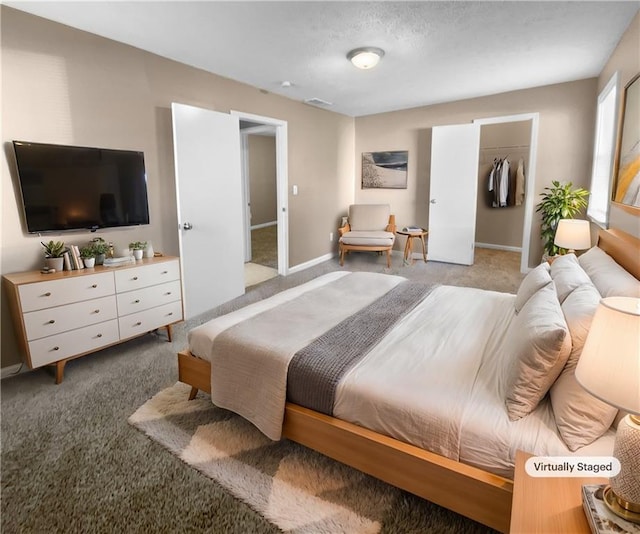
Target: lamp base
619, 507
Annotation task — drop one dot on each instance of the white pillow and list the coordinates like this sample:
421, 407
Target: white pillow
536, 279
539, 343
567, 275
580, 417
610, 279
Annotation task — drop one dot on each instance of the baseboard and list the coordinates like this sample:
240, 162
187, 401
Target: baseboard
499, 247
311, 263
12, 370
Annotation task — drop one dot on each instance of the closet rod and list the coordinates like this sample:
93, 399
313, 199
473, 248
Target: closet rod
510, 147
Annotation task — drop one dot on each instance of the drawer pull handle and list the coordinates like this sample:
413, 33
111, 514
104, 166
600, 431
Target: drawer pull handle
168, 293
56, 348
52, 321
170, 313
99, 335
137, 301
165, 272
47, 294
137, 324
135, 277
96, 311
94, 286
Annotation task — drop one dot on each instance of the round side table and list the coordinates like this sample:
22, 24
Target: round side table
408, 247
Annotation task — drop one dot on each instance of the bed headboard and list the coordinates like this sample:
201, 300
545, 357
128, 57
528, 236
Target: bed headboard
622, 247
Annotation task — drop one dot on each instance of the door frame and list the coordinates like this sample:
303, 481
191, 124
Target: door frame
530, 180
282, 182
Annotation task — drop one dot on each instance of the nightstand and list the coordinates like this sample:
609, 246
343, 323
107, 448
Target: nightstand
548, 505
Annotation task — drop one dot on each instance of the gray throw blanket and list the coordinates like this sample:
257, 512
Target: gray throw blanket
315, 371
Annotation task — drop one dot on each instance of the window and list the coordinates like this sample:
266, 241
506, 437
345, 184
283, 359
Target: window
603, 153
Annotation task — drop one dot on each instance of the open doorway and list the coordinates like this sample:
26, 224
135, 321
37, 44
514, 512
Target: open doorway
507, 226
264, 177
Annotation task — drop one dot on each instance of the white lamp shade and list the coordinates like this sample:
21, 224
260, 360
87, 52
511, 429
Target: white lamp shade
609, 367
573, 234
366, 57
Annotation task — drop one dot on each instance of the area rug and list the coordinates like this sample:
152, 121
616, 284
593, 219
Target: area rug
296, 489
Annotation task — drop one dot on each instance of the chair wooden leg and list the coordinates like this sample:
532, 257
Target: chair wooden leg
389, 259
193, 393
341, 256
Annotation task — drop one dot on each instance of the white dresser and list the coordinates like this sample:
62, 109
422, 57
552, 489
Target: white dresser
65, 315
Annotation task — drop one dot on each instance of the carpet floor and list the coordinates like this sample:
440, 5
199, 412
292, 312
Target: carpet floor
70, 462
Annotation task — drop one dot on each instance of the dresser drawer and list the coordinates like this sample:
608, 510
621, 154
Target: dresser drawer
148, 297
139, 323
147, 275
59, 292
52, 321
53, 348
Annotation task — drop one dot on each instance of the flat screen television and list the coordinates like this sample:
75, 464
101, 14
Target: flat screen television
73, 188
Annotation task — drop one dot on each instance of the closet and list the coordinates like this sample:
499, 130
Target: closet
500, 213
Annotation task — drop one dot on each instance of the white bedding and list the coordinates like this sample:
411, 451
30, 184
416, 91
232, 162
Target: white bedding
437, 380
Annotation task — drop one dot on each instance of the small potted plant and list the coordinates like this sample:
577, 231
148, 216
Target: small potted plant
100, 249
138, 248
561, 201
54, 254
88, 255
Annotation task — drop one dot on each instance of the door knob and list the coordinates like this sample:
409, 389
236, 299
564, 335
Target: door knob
187, 226
433, 201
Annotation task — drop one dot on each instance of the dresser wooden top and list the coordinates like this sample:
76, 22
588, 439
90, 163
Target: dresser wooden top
30, 277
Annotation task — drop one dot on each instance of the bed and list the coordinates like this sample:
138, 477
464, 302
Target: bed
448, 436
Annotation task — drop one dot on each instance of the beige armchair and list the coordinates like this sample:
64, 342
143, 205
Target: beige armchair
369, 227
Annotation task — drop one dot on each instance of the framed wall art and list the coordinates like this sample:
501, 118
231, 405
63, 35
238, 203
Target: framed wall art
627, 168
385, 170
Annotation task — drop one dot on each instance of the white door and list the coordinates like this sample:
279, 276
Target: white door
209, 193
452, 194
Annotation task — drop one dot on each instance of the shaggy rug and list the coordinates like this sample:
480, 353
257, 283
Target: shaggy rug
296, 489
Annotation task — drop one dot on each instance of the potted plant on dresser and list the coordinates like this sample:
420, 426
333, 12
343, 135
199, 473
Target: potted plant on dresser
138, 248
100, 249
54, 255
88, 255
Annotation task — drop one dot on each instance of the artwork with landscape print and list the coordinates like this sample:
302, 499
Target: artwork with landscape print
627, 186
386, 170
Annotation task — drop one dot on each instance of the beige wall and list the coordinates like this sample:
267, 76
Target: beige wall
61, 85
565, 141
626, 60
511, 140
262, 178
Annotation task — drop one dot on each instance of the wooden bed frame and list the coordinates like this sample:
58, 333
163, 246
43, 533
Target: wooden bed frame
467, 490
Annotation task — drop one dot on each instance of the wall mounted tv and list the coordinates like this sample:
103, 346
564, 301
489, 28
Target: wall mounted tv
73, 188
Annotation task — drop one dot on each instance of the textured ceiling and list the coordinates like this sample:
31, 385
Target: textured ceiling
435, 51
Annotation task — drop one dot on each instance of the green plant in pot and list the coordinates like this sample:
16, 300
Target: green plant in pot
54, 254
100, 248
138, 248
88, 255
561, 201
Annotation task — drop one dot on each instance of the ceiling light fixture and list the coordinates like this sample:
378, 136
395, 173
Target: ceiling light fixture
365, 57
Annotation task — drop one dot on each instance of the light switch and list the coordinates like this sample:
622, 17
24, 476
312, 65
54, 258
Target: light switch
295, 190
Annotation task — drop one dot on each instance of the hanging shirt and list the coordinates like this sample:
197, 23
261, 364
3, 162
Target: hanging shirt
520, 183
504, 183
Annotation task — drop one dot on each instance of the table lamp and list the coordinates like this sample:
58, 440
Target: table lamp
573, 234
609, 369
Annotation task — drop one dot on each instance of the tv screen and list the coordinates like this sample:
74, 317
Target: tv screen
72, 188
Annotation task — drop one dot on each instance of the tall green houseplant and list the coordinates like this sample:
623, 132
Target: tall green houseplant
561, 201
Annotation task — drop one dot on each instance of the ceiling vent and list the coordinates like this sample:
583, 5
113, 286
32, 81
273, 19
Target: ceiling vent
318, 102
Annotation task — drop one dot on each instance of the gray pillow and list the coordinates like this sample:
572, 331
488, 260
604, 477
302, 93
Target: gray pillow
567, 275
610, 279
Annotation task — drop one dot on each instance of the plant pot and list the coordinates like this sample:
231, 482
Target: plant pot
89, 262
54, 263
137, 254
99, 259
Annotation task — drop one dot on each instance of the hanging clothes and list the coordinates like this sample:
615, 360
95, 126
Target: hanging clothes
499, 182
520, 183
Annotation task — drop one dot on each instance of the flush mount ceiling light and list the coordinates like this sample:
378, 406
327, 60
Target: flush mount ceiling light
366, 57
